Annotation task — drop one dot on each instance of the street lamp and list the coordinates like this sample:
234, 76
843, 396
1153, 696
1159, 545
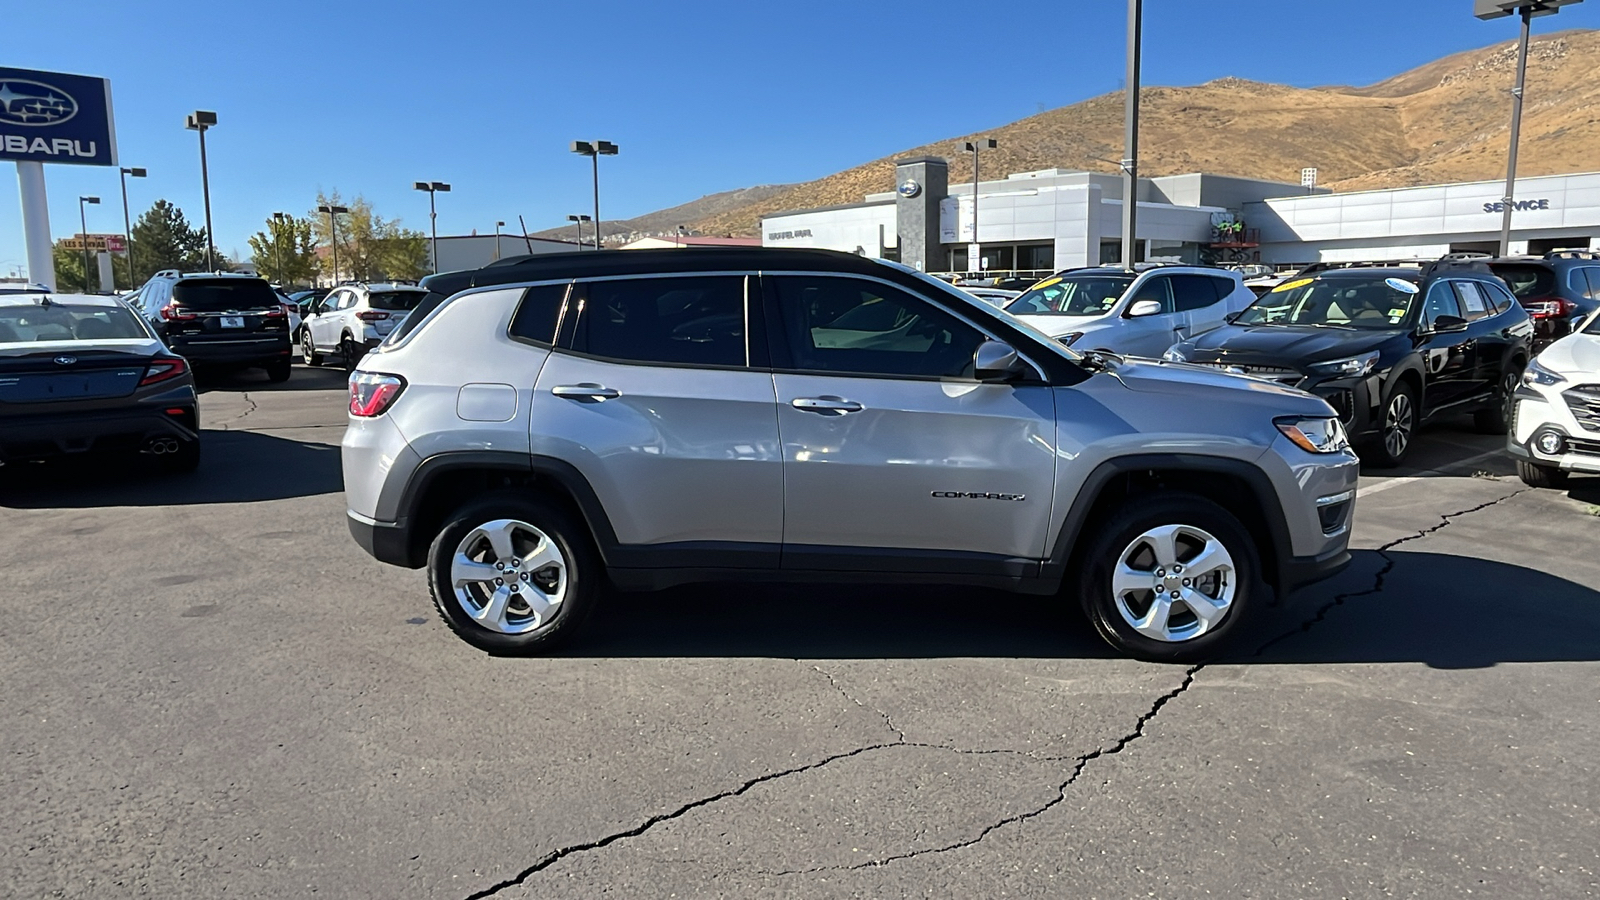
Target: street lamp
679, 235
497, 227
973, 147
83, 220
594, 151
1527, 9
127, 228
277, 238
580, 220
333, 229
433, 187
200, 120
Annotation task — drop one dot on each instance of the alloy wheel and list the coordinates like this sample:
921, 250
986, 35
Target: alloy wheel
509, 577
1174, 583
1397, 424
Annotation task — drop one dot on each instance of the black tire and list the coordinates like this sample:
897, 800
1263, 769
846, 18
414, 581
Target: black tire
1496, 418
308, 350
1113, 536
350, 352
1537, 476
1382, 452
185, 459
584, 576
278, 370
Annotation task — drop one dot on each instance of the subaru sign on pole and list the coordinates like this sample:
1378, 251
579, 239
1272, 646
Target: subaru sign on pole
56, 118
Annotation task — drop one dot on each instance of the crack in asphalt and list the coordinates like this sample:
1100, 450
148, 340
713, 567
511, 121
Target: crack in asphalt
1080, 763
245, 395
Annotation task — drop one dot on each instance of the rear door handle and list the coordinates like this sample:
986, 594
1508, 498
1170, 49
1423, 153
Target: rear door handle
827, 406
585, 391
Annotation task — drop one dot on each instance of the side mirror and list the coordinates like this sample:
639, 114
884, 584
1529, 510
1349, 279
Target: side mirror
1449, 325
1142, 308
996, 361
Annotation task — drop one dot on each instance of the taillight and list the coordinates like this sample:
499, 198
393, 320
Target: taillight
163, 369
372, 393
275, 312
371, 315
174, 313
1549, 307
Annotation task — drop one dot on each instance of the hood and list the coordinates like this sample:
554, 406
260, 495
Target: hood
84, 349
1575, 354
1198, 384
1056, 326
1286, 344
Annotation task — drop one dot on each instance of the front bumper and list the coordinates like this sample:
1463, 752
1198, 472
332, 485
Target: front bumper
1538, 412
49, 435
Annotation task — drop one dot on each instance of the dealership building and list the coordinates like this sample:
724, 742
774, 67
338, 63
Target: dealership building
1056, 219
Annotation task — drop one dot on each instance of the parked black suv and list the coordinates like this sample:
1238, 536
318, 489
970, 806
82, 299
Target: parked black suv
1389, 348
217, 318
1559, 290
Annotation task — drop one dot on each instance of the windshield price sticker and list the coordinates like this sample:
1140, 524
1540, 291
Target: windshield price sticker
1404, 287
1291, 285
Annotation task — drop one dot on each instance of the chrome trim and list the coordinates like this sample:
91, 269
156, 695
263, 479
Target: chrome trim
1336, 498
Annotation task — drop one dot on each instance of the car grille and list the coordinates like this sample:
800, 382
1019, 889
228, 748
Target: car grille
1280, 374
1343, 403
1584, 401
1586, 447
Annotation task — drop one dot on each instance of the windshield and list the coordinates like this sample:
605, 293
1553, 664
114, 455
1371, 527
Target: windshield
1526, 280
67, 322
1364, 302
1073, 295
400, 300
222, 294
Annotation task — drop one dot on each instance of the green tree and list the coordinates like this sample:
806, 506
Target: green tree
286, 252
371, 248
164, 239
70, 275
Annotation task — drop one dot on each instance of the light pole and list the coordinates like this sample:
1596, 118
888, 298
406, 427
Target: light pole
973, 147
1130, 137
200, 120
1527, 9
333, 230
579, 220
497, 227
83, 221
127, 227
433, 187
594, 151
278, 219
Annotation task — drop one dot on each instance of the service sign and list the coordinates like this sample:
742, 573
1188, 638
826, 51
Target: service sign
56, 118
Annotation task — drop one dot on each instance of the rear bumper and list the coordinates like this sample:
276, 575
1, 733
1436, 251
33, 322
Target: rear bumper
387, 542
63, 434
242, 349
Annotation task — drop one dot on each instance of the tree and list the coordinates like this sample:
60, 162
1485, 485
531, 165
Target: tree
286, 252
371, 248
164, 239
69, 271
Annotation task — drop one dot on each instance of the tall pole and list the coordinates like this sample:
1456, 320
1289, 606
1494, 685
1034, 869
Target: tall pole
1516, 132
596, 159
1130, 161
433, 220
205, 188
975, 264
83, 222
36, 223
127, 227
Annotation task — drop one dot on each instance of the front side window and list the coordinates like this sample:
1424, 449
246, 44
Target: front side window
1441, 302
857, 326
697, 321
67, 322
1158, 289
1088, 294
1338, 302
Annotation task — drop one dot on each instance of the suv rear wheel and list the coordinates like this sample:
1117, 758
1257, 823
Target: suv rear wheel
1169, 578
511, 575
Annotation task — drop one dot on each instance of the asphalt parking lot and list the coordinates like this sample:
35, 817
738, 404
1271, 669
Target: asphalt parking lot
211, 691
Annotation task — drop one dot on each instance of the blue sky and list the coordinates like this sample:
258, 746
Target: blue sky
367, 97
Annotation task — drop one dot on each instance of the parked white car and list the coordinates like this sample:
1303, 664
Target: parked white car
1556, 429
354, 318
991, 295
1132, 313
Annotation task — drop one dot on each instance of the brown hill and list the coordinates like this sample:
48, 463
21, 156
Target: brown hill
1445, 121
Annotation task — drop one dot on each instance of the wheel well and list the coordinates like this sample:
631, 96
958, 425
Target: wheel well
1231, 492
454, 488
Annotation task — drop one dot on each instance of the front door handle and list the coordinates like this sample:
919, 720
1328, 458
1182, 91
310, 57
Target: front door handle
585, 391
827, 406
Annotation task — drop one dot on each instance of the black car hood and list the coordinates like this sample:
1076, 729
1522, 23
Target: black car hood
1288, 344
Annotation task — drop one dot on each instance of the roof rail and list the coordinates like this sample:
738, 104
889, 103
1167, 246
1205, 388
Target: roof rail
1574, 253
1362, 264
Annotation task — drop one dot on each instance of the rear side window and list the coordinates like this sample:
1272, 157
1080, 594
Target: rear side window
1474, 305
534, 321
1586, 281
1193, 291
697, 321
395, 300
221, 294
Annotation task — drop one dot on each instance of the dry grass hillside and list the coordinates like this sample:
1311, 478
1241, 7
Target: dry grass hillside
1445, 121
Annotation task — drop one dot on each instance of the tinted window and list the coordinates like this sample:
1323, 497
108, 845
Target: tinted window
1473, 304
1072, 295
1586, 281
1193, 291
1526, 279
1441, 302
67, 322
1158, 289
1499, 299
693, 321
219, 294
852, 325
395, 300
535, 319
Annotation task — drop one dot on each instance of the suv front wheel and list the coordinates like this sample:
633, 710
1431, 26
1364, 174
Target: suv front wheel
1169, 578
512, 575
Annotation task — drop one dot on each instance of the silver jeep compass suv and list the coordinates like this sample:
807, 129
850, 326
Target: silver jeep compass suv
546, 425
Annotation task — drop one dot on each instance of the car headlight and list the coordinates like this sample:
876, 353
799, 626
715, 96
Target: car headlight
1173, 354
1537, 374
1314, 435
1355, 365
1069, 337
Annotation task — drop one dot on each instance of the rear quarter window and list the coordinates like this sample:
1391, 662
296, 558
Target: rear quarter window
536, 318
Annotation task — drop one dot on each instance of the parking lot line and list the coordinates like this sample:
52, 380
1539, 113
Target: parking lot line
1431, 473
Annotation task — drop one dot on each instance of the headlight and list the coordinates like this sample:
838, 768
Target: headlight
1355, 365
1069, 337
1173, 354
1537, 374
1317, 435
